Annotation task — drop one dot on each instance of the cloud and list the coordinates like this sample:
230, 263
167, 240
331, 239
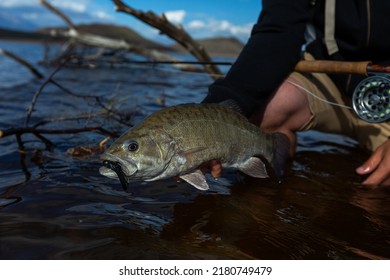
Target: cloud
75, 6
196, 24
212, 27
79, 6
17, 3
176, 17
102, 15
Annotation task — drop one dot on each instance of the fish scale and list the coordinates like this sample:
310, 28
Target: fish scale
177, 140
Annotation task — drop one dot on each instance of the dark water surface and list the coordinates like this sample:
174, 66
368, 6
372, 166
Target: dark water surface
54, 206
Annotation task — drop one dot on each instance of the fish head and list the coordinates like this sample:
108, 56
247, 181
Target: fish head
138, 155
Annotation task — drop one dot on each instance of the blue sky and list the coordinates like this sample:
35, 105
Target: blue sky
201, 18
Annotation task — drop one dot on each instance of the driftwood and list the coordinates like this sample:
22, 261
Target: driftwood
87, 39
176, 33
101, 43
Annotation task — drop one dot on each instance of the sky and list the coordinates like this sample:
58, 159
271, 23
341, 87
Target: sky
201, 18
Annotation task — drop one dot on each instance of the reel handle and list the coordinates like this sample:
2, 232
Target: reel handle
371, 98
335, 67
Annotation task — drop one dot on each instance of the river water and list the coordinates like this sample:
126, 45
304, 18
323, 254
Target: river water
56, 206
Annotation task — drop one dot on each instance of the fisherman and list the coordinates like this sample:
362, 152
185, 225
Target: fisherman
263, 84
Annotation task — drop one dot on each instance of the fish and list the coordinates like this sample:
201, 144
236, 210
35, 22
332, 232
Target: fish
177, 140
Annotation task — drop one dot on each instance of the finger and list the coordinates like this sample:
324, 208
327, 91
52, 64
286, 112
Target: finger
216, 168
372, 163
380, 176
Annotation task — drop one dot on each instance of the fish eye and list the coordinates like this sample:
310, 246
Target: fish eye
133, 146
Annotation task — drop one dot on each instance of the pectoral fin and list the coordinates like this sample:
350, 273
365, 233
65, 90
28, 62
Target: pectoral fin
254, 167
197, 179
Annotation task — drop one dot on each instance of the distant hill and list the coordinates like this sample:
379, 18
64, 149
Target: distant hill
8, 34
219, 46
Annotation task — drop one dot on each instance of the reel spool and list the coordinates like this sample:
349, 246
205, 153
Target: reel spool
371, 99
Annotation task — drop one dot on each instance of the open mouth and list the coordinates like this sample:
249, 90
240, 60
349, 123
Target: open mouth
117, 168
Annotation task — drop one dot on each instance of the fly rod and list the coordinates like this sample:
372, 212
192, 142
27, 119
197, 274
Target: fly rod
341, 67
371, 97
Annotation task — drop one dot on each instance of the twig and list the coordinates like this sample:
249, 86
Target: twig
64, 119
122, 118
49, 145
24, 130
60, 14
23, 62
39, 91
22, 155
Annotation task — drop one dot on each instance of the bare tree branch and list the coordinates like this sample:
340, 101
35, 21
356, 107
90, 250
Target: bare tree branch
25, 130
174, 32
23, 62
38, 92
59, 13
98, 41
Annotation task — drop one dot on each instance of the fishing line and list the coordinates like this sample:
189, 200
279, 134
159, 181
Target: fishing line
176, 71
319, 98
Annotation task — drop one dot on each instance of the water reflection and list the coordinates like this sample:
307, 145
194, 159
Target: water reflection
53, 206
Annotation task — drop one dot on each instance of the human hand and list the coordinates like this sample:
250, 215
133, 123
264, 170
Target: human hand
214, 166
377, 167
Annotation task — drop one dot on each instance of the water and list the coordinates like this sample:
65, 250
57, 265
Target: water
55, 206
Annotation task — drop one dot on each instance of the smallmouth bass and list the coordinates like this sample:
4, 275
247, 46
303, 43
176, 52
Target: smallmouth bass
177, 140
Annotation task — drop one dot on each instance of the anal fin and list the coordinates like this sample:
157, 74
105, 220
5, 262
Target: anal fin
254, 167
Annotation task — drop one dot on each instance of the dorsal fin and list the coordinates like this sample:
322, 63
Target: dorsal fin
230, 103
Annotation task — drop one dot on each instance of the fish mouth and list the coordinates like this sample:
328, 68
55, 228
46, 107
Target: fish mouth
116, 168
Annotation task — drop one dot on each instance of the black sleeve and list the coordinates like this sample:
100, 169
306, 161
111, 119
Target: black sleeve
268, 57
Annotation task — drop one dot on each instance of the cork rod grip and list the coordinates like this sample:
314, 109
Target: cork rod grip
333, 67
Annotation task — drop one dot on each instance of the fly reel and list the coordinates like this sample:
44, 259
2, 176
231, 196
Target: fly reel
371, 99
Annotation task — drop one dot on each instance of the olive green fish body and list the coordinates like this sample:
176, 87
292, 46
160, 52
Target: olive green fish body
177, 140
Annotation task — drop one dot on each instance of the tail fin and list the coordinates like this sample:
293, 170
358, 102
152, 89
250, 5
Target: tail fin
280, 154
